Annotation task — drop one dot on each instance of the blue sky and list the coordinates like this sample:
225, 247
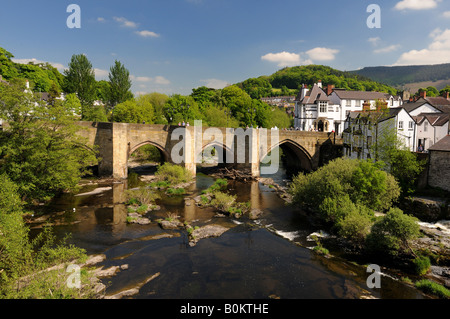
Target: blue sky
172, 46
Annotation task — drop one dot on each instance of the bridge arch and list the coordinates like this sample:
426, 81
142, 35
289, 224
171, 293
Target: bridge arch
297, 156
165, 154
223, 150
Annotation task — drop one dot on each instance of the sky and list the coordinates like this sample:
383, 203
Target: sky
173, 46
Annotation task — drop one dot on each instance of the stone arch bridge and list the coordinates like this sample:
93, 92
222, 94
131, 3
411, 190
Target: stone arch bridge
241, 148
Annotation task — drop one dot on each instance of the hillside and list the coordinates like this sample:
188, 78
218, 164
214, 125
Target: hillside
289, 79
43, 77
409, 77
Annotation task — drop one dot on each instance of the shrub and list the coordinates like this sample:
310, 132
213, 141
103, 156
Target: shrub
356, 224
141, 196
363, 182
174, 174
433, 288
223, 202
392, 232
422, 265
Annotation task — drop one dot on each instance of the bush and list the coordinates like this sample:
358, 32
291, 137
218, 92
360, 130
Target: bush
141, 196
433, 288
173, 174
363, 182
223, 202
392, 232
355, 226
422, 265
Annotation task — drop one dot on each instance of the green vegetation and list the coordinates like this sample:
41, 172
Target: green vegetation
25, 263
422, 265
345, 193
362, 181
40, 149
173, 174
433, 288
294, 77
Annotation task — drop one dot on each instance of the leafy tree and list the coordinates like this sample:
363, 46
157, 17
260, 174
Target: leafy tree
158, 100
397, 160
103, 89
39, 149
257, 87
180, 108
120, 84
202, 94
80, 79
138, 110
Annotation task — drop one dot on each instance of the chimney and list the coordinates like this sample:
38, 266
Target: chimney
366, 106
319, 83
330, 88
445, 94
423, 94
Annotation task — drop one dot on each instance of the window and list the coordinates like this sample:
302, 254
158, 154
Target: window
348, 103
400, 125
323, 107
411, 125
425, 126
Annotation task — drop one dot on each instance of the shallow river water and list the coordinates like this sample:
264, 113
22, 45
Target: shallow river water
266, 258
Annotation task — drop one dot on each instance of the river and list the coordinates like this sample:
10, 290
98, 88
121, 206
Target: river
267, 258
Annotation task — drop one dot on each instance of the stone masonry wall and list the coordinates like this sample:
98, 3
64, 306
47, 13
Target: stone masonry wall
439, 170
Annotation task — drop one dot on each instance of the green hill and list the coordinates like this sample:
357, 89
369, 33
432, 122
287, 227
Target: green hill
288, 80
408, 76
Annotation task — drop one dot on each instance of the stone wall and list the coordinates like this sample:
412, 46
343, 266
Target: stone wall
439, 170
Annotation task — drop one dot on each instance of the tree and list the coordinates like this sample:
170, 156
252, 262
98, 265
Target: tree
120, 84
80, 79
396, 159
40, 149
138, 110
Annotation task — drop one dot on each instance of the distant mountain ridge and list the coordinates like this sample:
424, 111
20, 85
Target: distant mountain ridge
407, 76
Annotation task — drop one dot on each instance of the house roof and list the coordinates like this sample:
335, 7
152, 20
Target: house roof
411, 106
442, 145
376, 115
440, 102
435, 119
316, 94
361, 95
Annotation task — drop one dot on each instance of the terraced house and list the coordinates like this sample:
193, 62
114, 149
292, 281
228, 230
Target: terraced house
326, 110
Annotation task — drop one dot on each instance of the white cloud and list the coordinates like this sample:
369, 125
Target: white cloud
157, 79
100, 19
215, 83
436, 53
282, 58
416, 4
446, 14
161, 80
322, 54
141, 78
125, 23
147, 34
101, 74
374, 41
388, 49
